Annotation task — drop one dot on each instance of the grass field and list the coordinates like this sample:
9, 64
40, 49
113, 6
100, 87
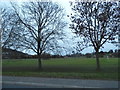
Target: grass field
84, 68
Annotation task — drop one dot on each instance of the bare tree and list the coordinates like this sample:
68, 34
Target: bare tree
5, 31
9, 30
42, 24
96, 22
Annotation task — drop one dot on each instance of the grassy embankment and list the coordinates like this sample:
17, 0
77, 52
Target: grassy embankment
84, 68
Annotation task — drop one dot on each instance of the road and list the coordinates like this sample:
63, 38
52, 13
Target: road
37, 82
21, 86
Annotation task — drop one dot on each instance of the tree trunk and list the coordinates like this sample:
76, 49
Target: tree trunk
39, 55
97, 61
39, 62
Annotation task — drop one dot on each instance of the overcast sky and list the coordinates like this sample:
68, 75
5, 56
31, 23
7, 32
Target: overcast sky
66, 6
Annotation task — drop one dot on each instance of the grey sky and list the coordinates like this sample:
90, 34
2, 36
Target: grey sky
66, 6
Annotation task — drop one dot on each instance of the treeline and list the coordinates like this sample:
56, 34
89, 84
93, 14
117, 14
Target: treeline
13, 54
110, 53
45, 56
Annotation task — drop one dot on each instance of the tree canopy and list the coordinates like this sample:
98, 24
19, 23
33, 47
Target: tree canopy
36, 26
96, 22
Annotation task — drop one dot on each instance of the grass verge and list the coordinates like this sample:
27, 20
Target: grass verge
80, 68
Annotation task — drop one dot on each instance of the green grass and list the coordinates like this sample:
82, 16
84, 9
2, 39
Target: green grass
63, 68
77, 75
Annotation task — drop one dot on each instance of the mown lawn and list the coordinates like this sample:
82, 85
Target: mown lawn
84, 68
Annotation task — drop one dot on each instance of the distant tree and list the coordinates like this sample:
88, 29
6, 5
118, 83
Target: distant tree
96, 22
111, 51
116, 50
101, 54
88, 55
42, 24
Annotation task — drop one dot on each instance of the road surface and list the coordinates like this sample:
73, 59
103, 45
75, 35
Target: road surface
21, 86
24, 82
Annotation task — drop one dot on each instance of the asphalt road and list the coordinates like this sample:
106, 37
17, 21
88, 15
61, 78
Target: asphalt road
21, 86
8, 86
36, 82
